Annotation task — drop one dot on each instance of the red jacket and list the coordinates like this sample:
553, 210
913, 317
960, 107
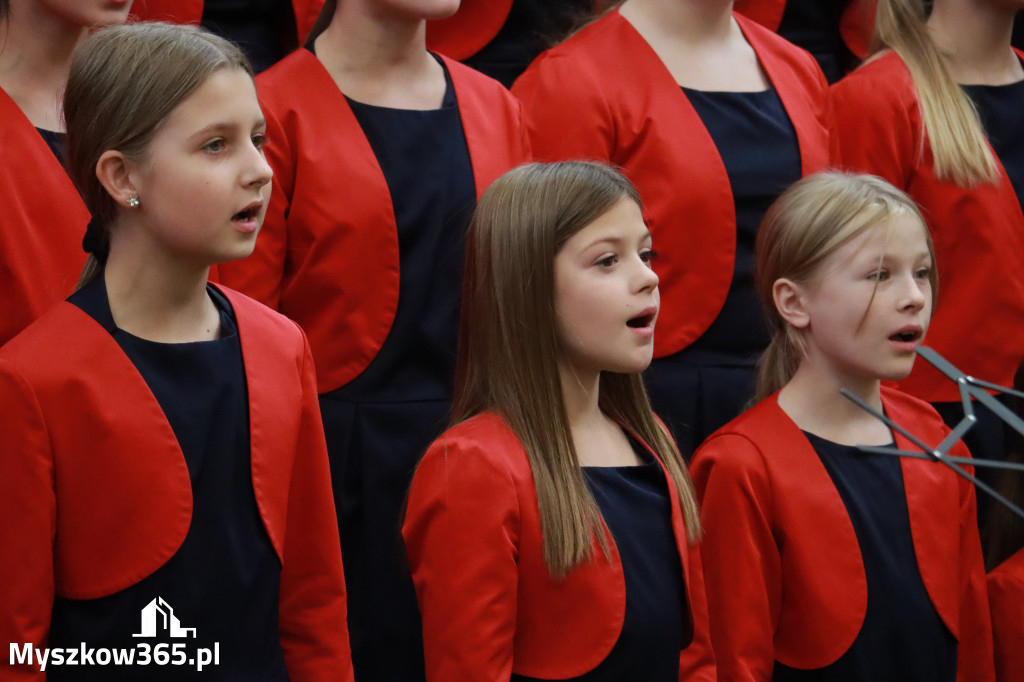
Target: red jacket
95, 494
856, 26
785, 577
42, 227
490, 608
191, 12
328, 253
604, 94
1006, 600
978, 233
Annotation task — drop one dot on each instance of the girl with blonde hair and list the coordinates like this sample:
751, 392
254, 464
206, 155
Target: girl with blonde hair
551, 530
162, 447
823, 562
937, 113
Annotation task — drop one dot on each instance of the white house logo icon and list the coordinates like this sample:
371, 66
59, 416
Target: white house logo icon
159, 611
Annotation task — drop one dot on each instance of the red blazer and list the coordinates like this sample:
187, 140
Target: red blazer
785, 577
95, 494
857, 25
1006, 600
191, 12
490, 608
978, 233
584, 99
41, 231
328, 253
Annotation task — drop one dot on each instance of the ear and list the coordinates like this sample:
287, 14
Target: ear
789, 301
113, 170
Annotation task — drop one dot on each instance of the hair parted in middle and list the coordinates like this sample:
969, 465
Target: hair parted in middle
124, 81
510, 345
807, 223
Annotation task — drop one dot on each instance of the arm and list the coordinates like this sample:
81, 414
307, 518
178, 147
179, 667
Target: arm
461, 534
740, 557
28, 517
974, 649
312, 619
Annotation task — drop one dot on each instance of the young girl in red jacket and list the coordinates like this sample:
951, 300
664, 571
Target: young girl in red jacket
937, 114
551, 529
43, 216
162, 446
824, 562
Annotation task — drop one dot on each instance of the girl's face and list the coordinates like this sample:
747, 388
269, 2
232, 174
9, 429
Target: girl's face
203, 184
868, 306
88, 13
606, 294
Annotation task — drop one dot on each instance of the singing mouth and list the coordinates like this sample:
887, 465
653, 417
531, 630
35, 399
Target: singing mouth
643, 320
248, 213
907, 335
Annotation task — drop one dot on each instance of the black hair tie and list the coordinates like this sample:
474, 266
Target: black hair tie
96, 241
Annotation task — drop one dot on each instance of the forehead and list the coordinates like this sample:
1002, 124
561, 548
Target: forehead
622, 222
902, 234
228, 95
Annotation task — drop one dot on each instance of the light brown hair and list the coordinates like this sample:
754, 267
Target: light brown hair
953, 131
803, 227
124, 82
510, 345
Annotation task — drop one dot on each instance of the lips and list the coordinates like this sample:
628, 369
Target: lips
908, 334
644, 320
248, 213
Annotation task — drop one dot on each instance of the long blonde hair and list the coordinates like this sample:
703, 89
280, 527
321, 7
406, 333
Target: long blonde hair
510, 345
805, 225
124, 81
954, 132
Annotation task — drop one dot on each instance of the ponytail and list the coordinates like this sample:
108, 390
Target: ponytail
960, 150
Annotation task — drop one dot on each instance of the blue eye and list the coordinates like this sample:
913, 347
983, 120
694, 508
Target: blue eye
879, 276
215, 146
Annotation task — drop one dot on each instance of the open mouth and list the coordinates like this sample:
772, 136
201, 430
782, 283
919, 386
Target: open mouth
246, 215
907, 336
641, 321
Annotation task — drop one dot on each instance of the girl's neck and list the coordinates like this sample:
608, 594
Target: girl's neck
381, 59
159, 299
974, 37
693, 21
812, 399
597, 438
35, 57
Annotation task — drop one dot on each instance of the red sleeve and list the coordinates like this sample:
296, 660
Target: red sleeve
742, 566
312, 619
877, 125
261, 275
697, 661
974, 649
1006, 599
461, 534
28, 519
566, 114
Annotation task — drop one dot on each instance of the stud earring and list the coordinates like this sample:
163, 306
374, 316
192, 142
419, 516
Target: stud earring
133, 200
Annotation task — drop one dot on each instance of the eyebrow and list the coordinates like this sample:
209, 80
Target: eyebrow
617, 239
222, 126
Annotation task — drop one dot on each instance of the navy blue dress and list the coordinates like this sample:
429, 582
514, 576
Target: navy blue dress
380, 424
999, 107
55, 141
903, 639
707, 384
635, 504
224, 580
264, 29
815, 26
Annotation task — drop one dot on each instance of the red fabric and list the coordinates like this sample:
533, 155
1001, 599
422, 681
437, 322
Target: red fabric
191, 12
490, 608
87, 515
584, 100
1006, 600
327, 256
466, 32
978, 233
41, 232
785, 578
856, 26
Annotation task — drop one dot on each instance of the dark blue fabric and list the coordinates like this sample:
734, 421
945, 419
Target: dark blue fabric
903, 639
224, 580
264, 29
635, 504
55, 141
815, 26
380, 424
699, 389
1000, 108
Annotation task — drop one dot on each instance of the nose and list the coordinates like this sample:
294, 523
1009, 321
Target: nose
646, 278
259, 171
916, 293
